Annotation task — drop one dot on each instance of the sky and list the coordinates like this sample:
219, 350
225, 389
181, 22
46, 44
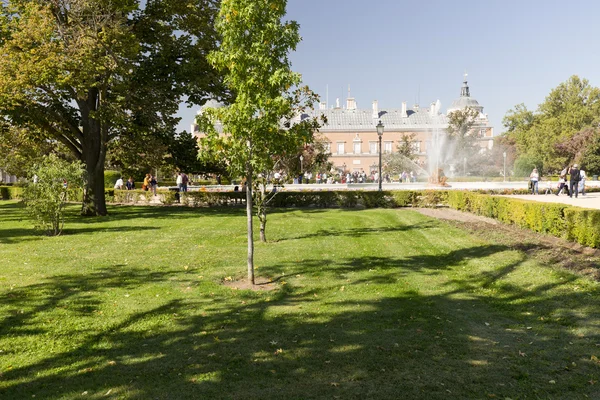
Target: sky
418, 51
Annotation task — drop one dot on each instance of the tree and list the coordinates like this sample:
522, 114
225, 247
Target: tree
403, 159
138, 155
84, 72
462, 137
265, 119
18, 150
583, 148
46, 194
315, 157
569, 108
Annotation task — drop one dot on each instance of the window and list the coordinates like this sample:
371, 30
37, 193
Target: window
416, 147
328, 147
340, 148
482, 132
387, 147
357, 147
373, 147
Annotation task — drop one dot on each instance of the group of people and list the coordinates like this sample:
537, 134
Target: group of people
129, 185
576, 181
150, 183
182, 182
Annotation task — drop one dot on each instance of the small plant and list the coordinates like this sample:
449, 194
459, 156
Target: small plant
46, 194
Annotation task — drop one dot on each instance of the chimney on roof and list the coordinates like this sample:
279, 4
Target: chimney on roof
350, 103
403, 114
375, 110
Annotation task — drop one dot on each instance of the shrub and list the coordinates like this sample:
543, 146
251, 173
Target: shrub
48, 191
110, 178
10, 192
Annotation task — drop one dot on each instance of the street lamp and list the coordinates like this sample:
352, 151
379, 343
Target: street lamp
380, 134
464, 166
504, 174
301, 177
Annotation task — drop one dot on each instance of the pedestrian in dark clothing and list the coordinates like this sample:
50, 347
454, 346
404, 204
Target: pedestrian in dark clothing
130, 185
574, 180
562, 183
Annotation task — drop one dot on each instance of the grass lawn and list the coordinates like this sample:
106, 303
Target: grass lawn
371, 304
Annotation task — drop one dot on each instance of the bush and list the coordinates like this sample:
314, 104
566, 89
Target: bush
110, 178
583, 226
10, 192
572, 223
53, 181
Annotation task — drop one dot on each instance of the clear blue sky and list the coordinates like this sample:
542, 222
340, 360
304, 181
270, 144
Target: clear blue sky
393, 50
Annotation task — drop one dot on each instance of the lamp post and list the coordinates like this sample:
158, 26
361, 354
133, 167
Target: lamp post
464, 166
301, 173
380, 134
301, 158
504, 174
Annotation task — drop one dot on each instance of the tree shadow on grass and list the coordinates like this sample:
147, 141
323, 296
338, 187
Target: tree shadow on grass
13, 236
315, 342
359, 232
11, 211
127, 213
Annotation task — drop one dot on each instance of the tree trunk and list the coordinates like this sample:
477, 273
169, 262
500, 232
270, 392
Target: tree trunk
250, 229
95, 136
94, 201
261, 212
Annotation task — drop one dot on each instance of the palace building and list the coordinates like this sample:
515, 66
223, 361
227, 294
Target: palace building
352, 137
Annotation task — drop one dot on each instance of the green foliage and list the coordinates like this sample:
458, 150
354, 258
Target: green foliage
48, 192
403, 159
583, 226
569, 108
572, 223
462, 136
85, 72
261, 124
110, 178
526, 163
19, 151
10, 192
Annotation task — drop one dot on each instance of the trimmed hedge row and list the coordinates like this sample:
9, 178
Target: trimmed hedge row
10, 192
577, 224
572, 223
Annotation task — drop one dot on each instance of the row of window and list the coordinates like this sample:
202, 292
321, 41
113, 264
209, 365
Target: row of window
373, 147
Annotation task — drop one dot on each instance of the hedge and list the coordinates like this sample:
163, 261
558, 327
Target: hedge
577, 224
10, 192
572, 223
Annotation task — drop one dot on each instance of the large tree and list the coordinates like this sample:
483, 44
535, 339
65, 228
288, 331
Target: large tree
462, 137
266, 118
83, 72
569, 108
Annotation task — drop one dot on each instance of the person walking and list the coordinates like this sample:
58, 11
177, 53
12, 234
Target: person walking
562, 183
534, 177
130, 185
184, 182
146, 183
179, 182
153, 184
574, 180
119, 183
